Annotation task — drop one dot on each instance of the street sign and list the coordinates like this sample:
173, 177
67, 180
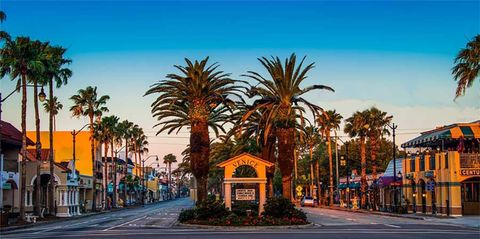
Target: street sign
299, 188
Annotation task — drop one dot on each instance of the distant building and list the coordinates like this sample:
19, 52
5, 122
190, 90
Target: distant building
443, 172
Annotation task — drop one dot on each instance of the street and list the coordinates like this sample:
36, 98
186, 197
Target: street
158, 220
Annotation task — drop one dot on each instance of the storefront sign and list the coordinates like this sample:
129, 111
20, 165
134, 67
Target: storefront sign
469, 172
245, 194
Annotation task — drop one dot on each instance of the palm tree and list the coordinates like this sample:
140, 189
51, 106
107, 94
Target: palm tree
281, 94
124, 131
357, 126
198, 98
311, 138
88, 103
329, 121
168, 160
35, 79
55, 73
378, 121
3, 34
21, 60
467, 66
101, 135
56, 107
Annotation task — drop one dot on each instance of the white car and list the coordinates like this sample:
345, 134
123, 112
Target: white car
307, 202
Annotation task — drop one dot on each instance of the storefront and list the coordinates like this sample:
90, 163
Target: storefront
442, 175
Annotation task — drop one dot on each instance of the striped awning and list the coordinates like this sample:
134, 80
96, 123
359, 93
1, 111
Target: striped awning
454, 131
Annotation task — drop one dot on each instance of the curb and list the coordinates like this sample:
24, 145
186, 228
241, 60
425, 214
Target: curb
237, 228
377, 213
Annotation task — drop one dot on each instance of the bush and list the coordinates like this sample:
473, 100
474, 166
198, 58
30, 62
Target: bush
210, 208
241, 208
187, 215
279, 207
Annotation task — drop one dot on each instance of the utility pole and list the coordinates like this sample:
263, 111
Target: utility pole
395, 201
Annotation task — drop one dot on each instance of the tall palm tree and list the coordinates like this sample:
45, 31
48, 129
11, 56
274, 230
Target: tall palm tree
88, 103
124, 131
102, 136
56, 73
311, 138
378, 121
21, 60
168, 160
36, 79
198, 98
467, 66
329, 121
281, 94
115, 139
56, 107
357, 126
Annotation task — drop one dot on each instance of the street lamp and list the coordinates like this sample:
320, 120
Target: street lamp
143, 176
41, 97
395, 203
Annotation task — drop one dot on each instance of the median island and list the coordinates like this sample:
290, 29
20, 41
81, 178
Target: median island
278, 211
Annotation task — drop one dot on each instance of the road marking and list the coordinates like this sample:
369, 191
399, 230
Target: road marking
390, 225
123, 224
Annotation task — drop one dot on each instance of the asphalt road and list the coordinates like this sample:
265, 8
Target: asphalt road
158, 221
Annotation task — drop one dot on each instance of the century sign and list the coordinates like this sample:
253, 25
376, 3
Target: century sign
469, 172
245, 194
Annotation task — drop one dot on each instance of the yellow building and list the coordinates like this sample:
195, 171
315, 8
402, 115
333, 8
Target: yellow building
443, 175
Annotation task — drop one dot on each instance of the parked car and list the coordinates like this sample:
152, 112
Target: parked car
307, 202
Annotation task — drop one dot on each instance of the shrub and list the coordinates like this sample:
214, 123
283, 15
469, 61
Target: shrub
240, 208
187, 215
210, 208
279, 207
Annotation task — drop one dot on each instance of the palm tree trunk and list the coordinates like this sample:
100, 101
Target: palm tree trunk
312, 176
373, 155
268, 155
24, 146
363, 173
51, 199
38, 147
169, 180
105, 178
141, 171
94, 166
319, 191
200, 153
330, 162
114, 162
125, 176
286, 148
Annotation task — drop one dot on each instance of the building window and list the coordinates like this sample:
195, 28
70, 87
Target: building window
422, 163
412, 165
446, 160
432, 162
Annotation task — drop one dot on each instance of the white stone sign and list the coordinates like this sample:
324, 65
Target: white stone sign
245, 194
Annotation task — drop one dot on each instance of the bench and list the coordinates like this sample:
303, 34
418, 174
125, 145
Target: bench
31, 218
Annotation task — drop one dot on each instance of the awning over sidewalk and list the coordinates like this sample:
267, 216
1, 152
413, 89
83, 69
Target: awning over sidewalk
353, 185
454, 131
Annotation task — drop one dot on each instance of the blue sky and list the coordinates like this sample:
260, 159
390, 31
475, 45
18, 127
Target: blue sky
396, 55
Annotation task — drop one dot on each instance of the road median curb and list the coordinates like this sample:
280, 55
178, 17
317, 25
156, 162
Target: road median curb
240, 228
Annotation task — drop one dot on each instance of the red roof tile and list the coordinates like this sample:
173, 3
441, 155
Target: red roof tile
12, 135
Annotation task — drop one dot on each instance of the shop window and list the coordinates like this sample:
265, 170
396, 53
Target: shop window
432, 162
412, 165
422, 163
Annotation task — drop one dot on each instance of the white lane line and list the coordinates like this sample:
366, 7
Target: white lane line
123, 224
46, 230
390, 225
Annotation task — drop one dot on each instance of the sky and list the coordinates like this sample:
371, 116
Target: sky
395, 55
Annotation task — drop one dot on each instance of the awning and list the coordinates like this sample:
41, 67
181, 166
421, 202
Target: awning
352, 185
454, 131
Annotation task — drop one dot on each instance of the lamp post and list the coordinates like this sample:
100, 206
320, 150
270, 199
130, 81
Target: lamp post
41, 96
143, 176
344, 162
395, 201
